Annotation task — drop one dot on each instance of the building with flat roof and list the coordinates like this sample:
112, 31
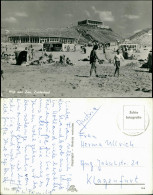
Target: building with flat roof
37, 39
130, 46
92, 23
40, 37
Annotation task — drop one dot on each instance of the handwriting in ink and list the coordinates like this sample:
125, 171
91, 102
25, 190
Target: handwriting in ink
86, 119
37, 147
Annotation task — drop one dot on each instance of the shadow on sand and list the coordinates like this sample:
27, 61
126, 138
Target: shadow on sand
82, 76
99, 76
102, 76
15, 64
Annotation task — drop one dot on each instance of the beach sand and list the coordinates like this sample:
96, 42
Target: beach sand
50, 80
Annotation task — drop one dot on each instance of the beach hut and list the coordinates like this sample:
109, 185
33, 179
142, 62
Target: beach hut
68, 47
20, 56
51, 46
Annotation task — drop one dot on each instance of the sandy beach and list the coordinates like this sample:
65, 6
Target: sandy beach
54, 80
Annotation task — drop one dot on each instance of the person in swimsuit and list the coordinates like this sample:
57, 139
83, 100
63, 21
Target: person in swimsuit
93, 58
117, 60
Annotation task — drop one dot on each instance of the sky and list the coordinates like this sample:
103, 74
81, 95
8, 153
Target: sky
124, 17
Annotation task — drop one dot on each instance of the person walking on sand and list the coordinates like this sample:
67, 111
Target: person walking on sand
93, 58
117, 58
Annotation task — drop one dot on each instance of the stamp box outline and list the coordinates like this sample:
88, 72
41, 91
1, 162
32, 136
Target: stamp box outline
123, 118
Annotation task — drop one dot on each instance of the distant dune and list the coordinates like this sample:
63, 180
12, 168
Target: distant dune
143, 37
97, 34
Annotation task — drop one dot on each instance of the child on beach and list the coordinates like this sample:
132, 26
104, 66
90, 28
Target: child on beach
117, 58
93, 58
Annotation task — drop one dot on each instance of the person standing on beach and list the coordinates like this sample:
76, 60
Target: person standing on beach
126, 53
150, 61
32, 53
104, 48
93, 58
68, 48
84, 49
117, 59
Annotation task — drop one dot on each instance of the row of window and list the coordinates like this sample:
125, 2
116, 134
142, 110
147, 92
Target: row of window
42, 40
24, 40
90, 22
96, 23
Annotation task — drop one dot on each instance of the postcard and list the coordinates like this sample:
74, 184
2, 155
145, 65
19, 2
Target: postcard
76, 48
76, 146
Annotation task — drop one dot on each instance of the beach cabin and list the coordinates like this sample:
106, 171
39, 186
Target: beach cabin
21, 57
68, 47
52, 46
133, 47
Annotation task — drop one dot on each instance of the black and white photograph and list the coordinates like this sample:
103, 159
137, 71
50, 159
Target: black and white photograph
76, 49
